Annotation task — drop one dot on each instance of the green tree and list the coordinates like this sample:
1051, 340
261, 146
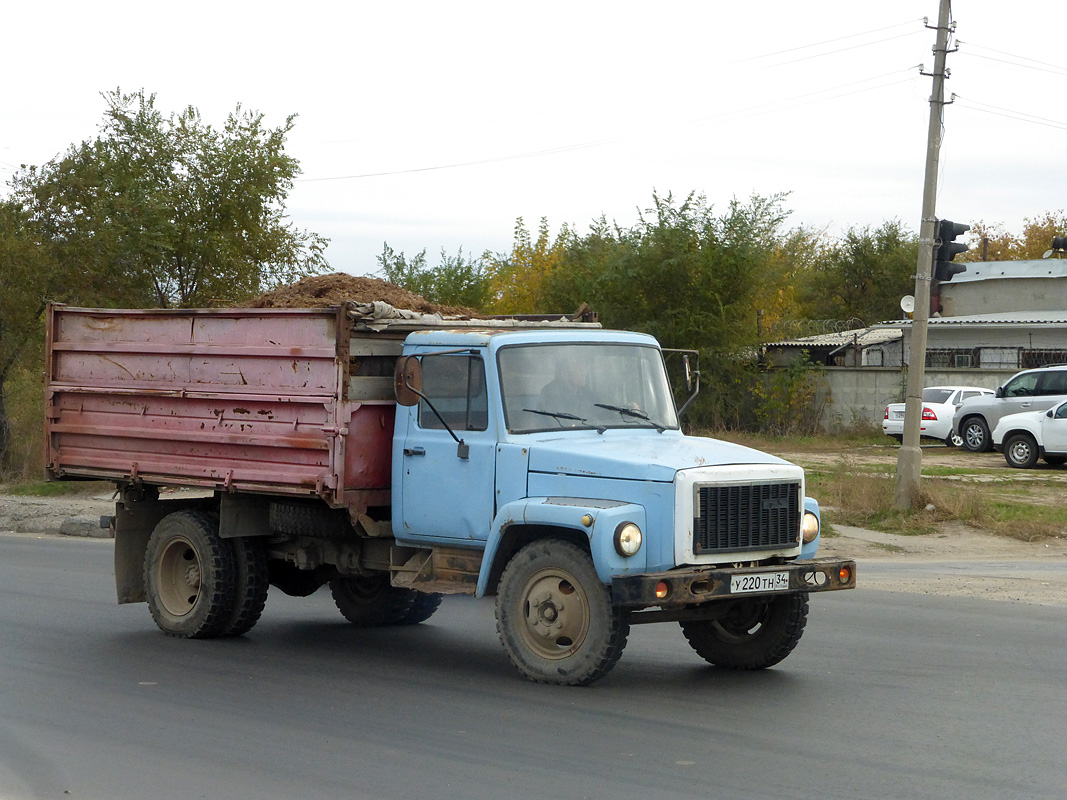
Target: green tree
863, 275
456, 281
25, 282
169, 211
689, 277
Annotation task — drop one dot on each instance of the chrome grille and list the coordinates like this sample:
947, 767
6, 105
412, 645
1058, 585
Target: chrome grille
761, 516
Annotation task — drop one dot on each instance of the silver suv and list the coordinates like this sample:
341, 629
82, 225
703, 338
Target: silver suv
1030, 390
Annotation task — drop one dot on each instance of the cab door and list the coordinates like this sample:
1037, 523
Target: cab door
448, 488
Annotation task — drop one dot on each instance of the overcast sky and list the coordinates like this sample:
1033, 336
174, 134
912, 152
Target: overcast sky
437, 124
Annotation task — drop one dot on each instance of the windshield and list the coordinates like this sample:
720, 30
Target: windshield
555, 386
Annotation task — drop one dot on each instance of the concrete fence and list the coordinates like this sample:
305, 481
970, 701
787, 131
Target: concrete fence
857, 396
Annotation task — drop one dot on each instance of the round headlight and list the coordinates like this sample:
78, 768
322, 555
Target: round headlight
627, 539
809, 528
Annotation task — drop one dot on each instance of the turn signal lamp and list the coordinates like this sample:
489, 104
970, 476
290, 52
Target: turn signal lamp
845, 574
662, 589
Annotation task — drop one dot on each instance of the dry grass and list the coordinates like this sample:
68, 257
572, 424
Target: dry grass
852, 496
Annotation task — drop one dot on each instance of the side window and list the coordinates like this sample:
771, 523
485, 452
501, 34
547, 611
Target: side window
1061, 412
455, 385
1053, 382
1022, 386
967, 395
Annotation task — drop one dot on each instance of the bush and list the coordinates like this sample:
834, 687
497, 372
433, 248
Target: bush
24, 400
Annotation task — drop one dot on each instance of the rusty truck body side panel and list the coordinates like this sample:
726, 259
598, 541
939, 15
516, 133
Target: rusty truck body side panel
236, 400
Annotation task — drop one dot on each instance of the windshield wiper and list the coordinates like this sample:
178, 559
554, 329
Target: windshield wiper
632, 412
556, 414
564, 415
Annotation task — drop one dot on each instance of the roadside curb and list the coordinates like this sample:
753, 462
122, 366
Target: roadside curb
77, 517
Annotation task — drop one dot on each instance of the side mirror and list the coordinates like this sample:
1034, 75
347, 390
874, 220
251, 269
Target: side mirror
407, 380
1050, 413
688, 373
999, 392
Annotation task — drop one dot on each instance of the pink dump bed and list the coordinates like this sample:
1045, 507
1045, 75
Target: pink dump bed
238, 399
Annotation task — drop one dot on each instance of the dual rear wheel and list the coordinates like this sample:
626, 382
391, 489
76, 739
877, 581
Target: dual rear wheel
199, 585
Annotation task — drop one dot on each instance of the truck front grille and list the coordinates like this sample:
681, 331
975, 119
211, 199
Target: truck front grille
761, 516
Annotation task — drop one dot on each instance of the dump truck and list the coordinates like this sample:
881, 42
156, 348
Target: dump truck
398, 457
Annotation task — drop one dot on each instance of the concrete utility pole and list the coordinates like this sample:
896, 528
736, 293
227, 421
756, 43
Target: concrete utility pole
909, 459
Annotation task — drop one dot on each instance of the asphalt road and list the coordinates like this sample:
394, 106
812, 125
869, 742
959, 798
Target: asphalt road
889, 695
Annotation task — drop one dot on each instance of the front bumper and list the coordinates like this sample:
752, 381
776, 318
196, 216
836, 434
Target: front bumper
691, 586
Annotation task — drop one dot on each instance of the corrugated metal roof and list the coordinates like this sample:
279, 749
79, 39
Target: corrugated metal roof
994, 270
1002, 319
861, 337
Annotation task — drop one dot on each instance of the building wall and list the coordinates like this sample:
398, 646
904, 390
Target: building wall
857, 396
1025, 293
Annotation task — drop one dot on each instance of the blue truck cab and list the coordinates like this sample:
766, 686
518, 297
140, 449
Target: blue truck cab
547, 467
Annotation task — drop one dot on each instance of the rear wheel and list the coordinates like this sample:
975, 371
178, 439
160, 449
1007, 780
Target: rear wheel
371, 601
975, 435
251, 582
1020, 451
555, 618
423, 606
189, 576
954, 440
754, 634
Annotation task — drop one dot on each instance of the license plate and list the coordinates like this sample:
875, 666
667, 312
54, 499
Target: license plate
759, 582
897, 415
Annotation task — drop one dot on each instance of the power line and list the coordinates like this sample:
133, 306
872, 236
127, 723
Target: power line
1020, 116
477, 162
1053, 67
741, 61
840, 50
776, 105
741, 113
1056, 71
827, 41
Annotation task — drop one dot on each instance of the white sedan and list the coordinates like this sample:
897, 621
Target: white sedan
939, 406
1025, 437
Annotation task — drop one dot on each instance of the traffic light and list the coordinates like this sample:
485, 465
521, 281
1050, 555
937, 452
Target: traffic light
946, 249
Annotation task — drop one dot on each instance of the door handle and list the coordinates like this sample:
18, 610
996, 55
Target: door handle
414, 451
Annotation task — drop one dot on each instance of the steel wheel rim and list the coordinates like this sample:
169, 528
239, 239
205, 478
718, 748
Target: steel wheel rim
555, 612
1020, 451
742, 623
180, 575
364, 591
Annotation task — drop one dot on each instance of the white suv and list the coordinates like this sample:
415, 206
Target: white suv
1030, 390
1026, 437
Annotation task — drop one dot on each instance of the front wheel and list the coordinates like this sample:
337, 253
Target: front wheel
1020, 451
976, 436
555, 618
753, 634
